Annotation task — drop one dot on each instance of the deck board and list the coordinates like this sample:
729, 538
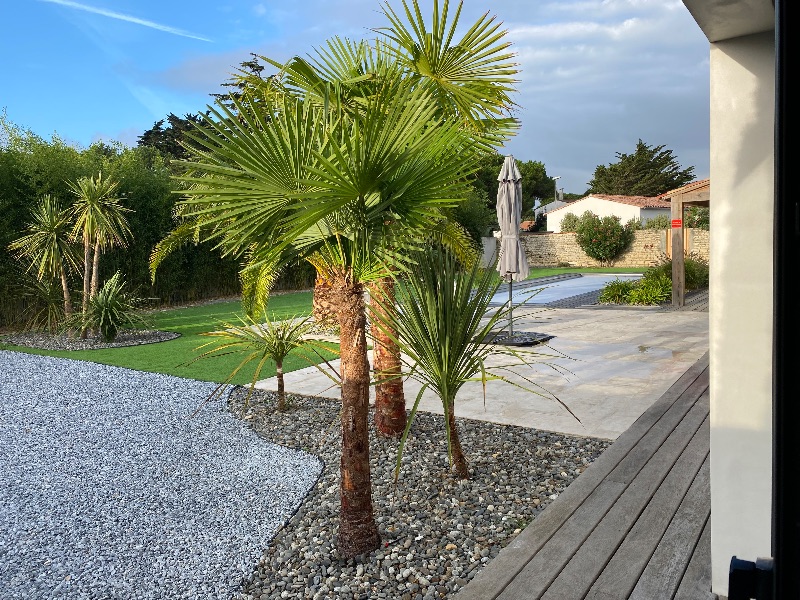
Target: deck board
635, 553
633, 522
629, 543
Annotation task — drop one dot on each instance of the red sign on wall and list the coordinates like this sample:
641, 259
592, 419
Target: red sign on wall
677, 223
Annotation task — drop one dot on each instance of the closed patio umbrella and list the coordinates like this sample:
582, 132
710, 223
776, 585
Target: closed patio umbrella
512, 263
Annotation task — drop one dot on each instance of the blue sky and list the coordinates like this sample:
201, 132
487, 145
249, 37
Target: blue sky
596, 75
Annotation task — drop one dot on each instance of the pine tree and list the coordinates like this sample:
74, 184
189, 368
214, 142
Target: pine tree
649, 171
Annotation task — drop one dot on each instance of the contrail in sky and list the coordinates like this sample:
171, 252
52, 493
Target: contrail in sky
122, 17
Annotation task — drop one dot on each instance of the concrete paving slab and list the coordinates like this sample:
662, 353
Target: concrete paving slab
607, 366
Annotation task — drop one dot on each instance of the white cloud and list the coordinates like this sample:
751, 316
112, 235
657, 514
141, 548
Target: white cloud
128, 18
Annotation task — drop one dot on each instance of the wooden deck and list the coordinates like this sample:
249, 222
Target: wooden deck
634, 525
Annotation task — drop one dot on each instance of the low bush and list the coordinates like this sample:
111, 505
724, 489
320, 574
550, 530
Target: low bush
569, 223
655, 289
617, 291
695, 271
658, 222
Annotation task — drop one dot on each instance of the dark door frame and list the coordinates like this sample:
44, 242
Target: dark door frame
786, 379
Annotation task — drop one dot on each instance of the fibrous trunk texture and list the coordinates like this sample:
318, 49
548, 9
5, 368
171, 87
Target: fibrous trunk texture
87, 276
358, 532
281, 389
95, 270
87, 272
67, 296
323, 308
390, 400
459, 466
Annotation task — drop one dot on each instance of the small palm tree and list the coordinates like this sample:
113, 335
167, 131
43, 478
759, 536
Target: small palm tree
264, 341
46, 247
442, 327
99, 221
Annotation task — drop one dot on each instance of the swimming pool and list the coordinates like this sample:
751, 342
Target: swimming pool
531, 292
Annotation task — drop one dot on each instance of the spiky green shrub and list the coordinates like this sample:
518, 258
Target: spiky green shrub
617, 291
443, 326
108, 311
43, 303
695, 272
604, 239
652, 290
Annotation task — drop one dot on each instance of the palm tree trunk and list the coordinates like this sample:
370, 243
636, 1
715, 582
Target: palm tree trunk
281, 389
95, 270
459, 467
67, 296
87, 276
87, 271
358, 532
390, 400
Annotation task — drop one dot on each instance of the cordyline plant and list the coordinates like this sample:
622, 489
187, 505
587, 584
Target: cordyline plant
442, 325
109, 310
262, 341
47, 251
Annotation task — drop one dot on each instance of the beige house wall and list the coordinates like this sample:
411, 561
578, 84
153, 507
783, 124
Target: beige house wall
741, 300
647, 249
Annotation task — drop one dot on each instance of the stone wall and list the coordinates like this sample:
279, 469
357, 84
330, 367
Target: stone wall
648, 248
697, 242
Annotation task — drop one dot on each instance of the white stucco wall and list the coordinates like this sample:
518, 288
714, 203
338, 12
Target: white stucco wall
602, 208
741, 296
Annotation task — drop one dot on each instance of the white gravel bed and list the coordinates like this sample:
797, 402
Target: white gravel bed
47, 341
111, 489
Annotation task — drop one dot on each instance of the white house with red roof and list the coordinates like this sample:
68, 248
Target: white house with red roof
626, 208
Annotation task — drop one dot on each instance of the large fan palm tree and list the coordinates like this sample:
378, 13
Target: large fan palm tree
99, 221
469, 79
343, 169
46, 246
303, 181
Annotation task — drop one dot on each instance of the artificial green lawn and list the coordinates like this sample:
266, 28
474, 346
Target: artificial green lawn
178, 357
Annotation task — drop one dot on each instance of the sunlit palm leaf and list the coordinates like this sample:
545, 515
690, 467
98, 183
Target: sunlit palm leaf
473, 77
45, 246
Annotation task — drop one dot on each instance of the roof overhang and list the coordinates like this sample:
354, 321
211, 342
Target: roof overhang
725, 19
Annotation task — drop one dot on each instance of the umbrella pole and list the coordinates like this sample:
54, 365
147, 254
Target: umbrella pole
510, 306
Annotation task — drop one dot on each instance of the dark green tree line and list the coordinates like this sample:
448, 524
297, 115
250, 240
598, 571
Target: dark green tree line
32, 168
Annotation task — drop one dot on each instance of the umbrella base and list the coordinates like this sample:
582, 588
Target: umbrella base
519, 338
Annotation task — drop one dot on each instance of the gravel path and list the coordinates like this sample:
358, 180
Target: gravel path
110, 490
